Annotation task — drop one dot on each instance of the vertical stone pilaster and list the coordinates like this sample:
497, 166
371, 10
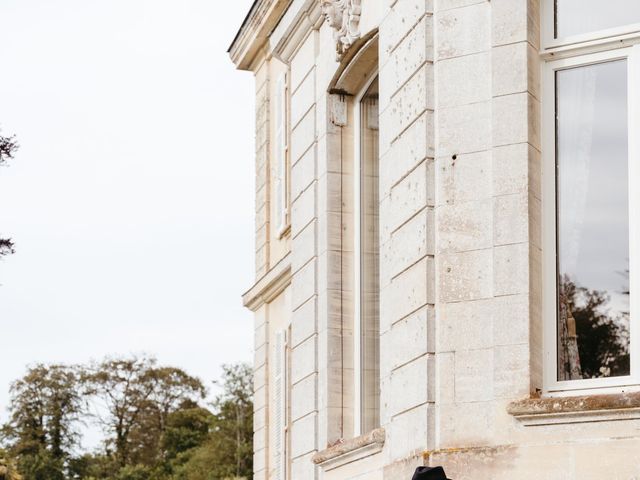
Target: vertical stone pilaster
465, 225
516, 197
261, 395
262, 171
407, 229
304, 261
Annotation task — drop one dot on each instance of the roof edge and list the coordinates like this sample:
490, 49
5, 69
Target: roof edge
244, 23
262, 18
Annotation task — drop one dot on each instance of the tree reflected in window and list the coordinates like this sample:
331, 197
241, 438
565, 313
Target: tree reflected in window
593, 337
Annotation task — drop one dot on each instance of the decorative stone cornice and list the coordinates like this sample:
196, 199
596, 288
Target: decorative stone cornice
254, 32
300, 19
344, 17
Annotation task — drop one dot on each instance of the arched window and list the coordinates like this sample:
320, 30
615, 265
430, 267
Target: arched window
355, 111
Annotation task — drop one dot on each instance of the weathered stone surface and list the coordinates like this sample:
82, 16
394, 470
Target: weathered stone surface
511, 219
474, 375
407, 245
403, 380
465, 226
345, 446
459, 86
533, 406
464, 178
303, 360
303, 135
303, 397
511, 269
466, 275
406, 152
303, 436
463, 31
464, 129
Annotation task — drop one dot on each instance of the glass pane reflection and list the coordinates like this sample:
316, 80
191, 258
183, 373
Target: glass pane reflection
574, 17
592, 221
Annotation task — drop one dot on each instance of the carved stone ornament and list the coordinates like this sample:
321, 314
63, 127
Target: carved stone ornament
344, 17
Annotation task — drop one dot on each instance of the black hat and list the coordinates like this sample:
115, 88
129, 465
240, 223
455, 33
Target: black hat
429, 473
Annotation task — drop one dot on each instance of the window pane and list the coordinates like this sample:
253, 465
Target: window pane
369, 254
574, 17
592, 221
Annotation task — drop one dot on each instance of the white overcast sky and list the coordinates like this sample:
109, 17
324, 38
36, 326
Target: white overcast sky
131, 197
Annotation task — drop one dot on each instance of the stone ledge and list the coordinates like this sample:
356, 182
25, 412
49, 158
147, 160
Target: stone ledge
351, 450
579, 409
270, 285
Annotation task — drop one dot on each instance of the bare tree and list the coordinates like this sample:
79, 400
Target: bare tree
8, 147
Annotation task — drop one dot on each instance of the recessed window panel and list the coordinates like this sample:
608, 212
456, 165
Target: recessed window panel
592, 200
370, 260
575, 17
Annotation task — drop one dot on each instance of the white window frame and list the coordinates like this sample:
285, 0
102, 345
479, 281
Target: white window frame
583, 55
357, 260
281, 141
281, 400
548, 30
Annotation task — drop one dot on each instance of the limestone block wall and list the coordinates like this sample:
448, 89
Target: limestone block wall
487, 159
260, 396
304, 260
407, 229
262, 170
460, 236
260, 364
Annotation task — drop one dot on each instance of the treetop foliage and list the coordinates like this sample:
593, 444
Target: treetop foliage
8, 469
155, 426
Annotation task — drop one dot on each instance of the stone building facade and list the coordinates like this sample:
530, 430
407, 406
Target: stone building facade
433, 178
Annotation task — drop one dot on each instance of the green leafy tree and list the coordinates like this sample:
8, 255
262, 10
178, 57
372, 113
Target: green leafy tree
228, 451
41, 465
602, 336
138, 396
233, 420
155, 427
45, 411
173, 387
8, 469
91, 466
135, 472
187, 428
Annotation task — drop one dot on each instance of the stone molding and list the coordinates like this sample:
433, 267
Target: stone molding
254, 33
577, 409
269, 286
300, 19
351, 450
356, 66
343, 16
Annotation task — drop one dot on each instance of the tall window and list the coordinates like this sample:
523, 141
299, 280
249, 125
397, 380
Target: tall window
281, 405
590, 104
280, 164
367, 315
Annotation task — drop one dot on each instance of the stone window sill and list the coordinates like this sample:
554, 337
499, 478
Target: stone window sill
351, 450
580, 409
